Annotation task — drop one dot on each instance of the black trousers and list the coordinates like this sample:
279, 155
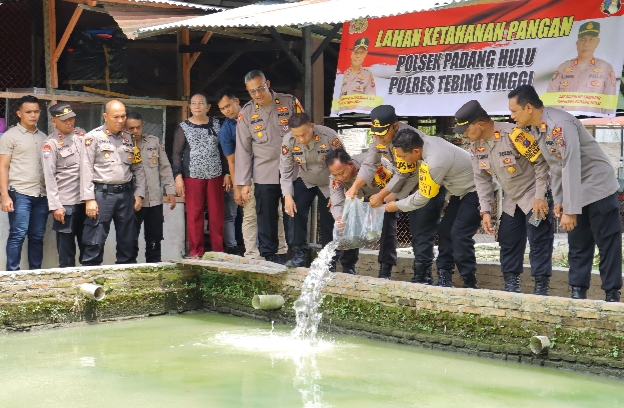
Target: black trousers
69, 233
152, 232
423, 225
387, 243
267, 197
117, 207
512, 237
456, 231
600, 225
297, 226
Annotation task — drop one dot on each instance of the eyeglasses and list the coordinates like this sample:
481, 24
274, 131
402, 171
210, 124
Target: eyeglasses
259, 89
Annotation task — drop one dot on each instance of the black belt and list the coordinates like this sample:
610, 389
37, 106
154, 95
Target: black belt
113, 188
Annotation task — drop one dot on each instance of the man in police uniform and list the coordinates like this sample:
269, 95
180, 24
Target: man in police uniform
158, 174
384, 170
585, 73
262, 124
61, 169
495, 152
358, 80
584, 188
108, 164
304, 149
344, 170
444, 164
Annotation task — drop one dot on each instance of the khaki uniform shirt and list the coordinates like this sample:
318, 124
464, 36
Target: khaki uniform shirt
443, 164
580, 171
521, 180
61, 168
390, 174
157, 169
25, 172
597, 76
259, 136
310, 158
338, 188
107, 159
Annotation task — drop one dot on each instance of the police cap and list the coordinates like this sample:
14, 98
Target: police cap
382, 118
467, 114
591, 28
361, 42
62, 111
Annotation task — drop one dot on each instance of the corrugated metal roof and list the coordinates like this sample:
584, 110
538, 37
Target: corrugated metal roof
173, 3
273, 13
132, 18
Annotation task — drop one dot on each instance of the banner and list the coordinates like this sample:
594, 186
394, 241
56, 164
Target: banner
431, 63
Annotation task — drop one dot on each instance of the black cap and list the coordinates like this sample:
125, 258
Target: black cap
361, 42
467, 114
382, 118
62, 111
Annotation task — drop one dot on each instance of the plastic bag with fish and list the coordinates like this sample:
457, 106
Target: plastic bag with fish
361, 225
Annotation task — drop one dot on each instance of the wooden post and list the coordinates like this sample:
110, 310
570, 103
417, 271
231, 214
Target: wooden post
186, 59
52, 77
306, 33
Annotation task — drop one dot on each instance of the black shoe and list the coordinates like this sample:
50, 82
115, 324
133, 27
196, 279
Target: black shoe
422, 273
445, 278
613, 295
542, 284
512, 282
385, 271
276, 258
298, 260
579, 292
332, 265
350, 269
231, 250
470, 281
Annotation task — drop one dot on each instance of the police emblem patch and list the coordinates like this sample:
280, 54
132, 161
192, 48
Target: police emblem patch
595, 83
154, 161
88, 141
259, 134
358, 26
507, 161
106, 155
336, 184
285, 149
511, 169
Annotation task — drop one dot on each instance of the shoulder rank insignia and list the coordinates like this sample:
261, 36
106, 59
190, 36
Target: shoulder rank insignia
277, 102
497, 135
543, 127
257, 106
336, 143
317, 138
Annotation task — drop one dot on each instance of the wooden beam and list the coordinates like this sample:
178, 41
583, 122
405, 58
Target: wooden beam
52, 42
221, 69
284, 46
134, 3
196, 55
106, 93
95, 99
68, 30
326, 42
186, 59
239, 46
91, 3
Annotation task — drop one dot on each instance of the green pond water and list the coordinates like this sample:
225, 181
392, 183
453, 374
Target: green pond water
207, 360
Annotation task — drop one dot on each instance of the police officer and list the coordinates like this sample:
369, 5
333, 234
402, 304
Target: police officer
61, 169
358, 80
584, 189
585, 73
304, 149
108, 164
495, 152
444, 164
262, 124
344, 170
158, 174
384, 170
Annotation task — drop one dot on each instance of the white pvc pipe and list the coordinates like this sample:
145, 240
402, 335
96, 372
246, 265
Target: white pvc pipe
539, 344
267, 302
95, 292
